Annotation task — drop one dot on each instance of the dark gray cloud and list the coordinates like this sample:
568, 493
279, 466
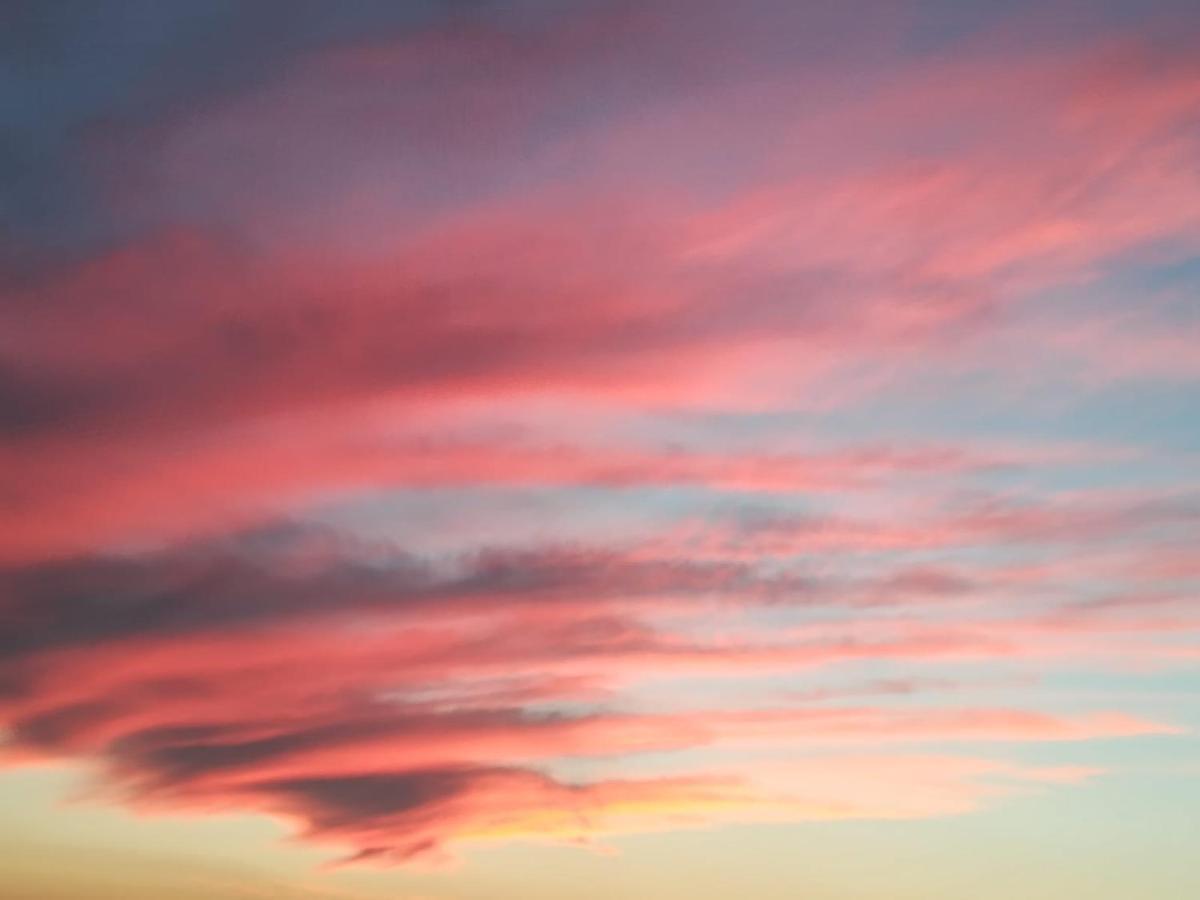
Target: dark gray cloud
244, 582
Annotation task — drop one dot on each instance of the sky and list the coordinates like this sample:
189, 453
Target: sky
526, 450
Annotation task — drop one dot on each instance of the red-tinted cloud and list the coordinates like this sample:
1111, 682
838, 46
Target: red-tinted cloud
291, 674
670, 217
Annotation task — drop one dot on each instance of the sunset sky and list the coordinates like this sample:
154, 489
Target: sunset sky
637, 449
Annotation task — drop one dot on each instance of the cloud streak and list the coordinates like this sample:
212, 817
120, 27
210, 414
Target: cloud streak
491, 424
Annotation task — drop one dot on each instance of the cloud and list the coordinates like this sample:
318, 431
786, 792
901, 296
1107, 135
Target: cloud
885, 249
1087, 518
372, 697
417, 816
63, 496
340, 264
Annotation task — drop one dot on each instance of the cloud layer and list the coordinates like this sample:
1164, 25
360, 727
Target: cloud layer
513, 424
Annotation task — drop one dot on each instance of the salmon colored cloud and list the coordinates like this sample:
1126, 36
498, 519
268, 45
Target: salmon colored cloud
421, 815
282, 675
504, 429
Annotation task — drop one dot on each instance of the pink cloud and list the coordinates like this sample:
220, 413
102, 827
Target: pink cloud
627, 216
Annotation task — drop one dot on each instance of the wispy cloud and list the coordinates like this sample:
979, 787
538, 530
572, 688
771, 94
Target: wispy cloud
673, 271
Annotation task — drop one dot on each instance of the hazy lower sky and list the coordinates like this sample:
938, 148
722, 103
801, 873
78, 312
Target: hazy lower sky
530, 450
